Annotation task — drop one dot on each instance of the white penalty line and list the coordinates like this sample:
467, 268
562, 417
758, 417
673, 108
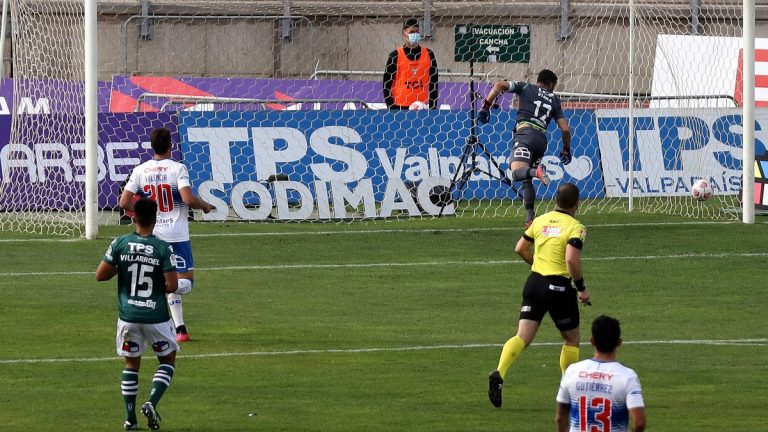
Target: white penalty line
393, 231
708, 342
409, 264
449, 230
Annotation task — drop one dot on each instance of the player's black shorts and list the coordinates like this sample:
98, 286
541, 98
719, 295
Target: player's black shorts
530, 146
553, 294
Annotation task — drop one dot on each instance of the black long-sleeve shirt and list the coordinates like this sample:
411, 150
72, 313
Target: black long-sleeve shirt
391, 69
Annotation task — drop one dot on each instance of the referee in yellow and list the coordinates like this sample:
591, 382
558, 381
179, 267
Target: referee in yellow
557, 238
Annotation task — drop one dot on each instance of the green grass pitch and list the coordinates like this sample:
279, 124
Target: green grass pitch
389, 327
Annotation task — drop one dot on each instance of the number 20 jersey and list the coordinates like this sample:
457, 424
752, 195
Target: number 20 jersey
161, 181
600, 395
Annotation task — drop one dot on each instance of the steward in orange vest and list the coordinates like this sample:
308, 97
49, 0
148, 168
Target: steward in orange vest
411, 72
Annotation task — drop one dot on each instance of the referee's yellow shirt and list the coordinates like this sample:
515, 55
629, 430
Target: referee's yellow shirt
550, 234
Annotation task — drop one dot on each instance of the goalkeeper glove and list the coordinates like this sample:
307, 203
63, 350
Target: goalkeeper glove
484, 116
565, 156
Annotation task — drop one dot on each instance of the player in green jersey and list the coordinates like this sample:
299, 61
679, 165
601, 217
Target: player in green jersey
145, 273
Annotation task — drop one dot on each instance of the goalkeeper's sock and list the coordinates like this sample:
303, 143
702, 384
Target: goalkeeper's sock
568, 356
509, 353
529, 199
174, 304
129, 385
523, 174
160, 382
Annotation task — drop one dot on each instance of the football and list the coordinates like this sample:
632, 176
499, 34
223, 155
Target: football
702, 190
418, 106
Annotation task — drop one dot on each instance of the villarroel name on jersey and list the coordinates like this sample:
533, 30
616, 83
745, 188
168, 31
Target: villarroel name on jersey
140, 258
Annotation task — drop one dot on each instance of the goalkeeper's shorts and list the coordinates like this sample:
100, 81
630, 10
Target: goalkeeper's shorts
530, 146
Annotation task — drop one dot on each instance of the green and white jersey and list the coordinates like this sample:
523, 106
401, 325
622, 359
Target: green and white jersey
141, 263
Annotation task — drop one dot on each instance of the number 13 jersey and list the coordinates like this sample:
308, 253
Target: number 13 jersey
161, 181
600, 395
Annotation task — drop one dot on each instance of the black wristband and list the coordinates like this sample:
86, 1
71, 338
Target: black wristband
579, 285
487, 105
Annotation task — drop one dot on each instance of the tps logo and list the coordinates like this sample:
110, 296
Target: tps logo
670, 152
333, 174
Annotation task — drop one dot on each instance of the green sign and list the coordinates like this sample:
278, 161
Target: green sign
492, 43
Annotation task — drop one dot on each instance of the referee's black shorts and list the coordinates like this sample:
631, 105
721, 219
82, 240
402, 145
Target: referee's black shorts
553, 294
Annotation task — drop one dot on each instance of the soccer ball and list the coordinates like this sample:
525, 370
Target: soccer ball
702, 190
417, 106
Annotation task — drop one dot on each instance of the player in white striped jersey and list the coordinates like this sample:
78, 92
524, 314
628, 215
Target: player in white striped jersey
167, 182
600, 394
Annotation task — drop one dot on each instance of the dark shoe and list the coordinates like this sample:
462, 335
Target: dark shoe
153, 418
494, 388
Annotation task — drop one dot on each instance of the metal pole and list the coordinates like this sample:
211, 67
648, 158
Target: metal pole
695, 13
565, 25
426, 21
748, 100
286, 30
91, 131
2, 39
631, 102
145, 25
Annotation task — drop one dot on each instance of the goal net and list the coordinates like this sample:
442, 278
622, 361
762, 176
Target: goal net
279, 112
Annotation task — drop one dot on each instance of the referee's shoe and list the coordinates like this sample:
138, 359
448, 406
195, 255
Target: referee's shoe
494, 388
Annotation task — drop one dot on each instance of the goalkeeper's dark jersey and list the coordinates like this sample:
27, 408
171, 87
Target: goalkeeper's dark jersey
537, 105
141, 263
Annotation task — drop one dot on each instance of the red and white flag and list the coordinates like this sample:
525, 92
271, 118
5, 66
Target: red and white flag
761, 78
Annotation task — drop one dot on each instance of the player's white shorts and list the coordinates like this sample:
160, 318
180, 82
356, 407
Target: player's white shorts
133, 338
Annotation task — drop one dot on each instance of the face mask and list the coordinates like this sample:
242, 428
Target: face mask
414, 38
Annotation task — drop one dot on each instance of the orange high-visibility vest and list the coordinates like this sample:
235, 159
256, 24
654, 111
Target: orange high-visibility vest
411, 79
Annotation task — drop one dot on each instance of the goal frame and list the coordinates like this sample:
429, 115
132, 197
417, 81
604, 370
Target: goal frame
91, 113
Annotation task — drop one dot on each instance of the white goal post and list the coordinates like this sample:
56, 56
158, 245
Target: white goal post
748, 208
278, 110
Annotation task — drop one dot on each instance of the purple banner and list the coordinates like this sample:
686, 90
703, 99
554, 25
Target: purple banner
48, 170
48, 96
130, 93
